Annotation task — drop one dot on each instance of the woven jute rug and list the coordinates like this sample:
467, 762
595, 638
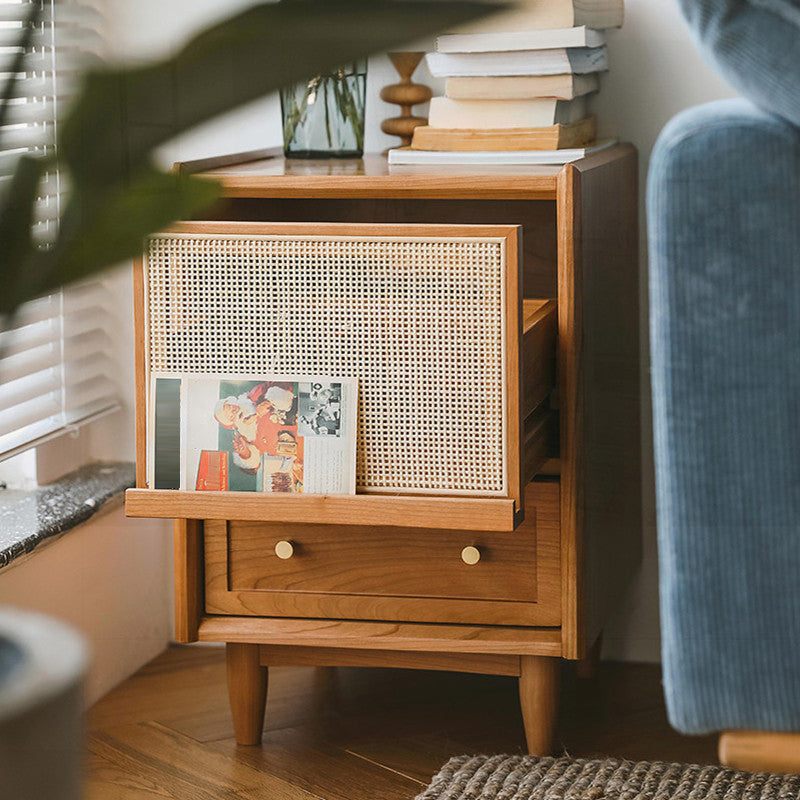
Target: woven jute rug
532, 778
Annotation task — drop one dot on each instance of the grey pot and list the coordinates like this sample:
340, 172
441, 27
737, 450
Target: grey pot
42, 671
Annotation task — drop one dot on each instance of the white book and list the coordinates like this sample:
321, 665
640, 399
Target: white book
406, 156
445, 112
543, 14
521, 87
577, 60
520, 40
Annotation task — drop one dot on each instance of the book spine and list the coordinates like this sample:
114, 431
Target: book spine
520, 40
554, 137
587, 59
576, 60
534, 62
488, 114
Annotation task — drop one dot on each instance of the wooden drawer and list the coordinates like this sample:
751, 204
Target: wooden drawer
539, 331
370, 572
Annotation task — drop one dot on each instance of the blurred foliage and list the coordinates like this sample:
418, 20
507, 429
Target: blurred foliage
121, 114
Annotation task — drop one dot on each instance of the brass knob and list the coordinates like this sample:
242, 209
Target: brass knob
284, 549
470, 555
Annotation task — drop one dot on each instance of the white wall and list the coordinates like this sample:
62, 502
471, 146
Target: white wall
109, 578
655, 73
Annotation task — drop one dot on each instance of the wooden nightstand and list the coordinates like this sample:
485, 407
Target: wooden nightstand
351, 583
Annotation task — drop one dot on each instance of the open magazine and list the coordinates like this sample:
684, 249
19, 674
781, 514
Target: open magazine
273, 433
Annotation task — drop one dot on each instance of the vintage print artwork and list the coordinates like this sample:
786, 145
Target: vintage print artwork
268, 434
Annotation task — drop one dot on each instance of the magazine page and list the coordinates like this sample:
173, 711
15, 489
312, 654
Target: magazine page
273, 433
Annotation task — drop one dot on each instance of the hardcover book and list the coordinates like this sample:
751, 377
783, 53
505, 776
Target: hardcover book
445, 112
522, 87
401, 157
553, 137
520, 40
273, 433
578, 60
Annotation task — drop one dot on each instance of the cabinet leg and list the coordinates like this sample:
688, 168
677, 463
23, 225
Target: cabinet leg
538, 697
247, 690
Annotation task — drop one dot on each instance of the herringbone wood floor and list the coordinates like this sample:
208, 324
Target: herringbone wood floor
349, 734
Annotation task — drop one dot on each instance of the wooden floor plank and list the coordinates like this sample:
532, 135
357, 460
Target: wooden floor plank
110, 781
295, 697
315, 764
156, 689
621, 713
351, 734
185, 768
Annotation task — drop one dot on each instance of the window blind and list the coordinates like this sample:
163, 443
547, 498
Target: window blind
56, 370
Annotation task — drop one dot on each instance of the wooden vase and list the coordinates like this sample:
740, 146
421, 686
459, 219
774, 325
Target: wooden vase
405, 94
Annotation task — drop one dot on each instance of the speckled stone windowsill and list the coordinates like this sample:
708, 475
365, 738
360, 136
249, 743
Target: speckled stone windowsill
28, 518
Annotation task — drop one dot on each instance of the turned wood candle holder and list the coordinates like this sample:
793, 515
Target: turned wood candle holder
405, 94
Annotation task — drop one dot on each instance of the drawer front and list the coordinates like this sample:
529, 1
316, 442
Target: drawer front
366, 560
375, 572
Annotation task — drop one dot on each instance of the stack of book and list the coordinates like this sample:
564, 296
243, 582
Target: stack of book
518, 95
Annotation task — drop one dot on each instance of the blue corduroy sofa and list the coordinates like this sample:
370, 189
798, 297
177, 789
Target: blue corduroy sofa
724, 244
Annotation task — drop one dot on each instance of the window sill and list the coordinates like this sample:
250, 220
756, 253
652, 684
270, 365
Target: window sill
28, 518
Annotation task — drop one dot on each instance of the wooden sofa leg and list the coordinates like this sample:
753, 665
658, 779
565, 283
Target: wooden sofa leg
538, 697
760, 751
247, 690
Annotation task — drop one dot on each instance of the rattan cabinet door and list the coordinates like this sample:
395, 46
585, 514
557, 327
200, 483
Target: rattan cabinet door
427, 318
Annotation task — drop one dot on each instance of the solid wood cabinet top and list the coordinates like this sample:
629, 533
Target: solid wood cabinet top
267, 173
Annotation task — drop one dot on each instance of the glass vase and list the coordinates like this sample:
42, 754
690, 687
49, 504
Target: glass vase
324, 116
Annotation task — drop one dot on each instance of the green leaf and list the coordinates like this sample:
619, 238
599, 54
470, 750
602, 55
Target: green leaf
100, 230
16, 217
123, 114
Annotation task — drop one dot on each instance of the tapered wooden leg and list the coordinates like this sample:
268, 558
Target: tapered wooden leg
760, 751
247, 690
538, 697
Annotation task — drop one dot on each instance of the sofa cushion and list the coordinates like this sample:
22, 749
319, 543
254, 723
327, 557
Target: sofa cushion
755, 44
790, 9
724, 234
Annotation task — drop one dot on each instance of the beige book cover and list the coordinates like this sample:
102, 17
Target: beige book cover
521, 87
554, 137
445, 112
578, 60
579, 36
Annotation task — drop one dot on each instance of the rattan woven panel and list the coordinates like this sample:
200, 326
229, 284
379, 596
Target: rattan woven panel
418, 320
506, 777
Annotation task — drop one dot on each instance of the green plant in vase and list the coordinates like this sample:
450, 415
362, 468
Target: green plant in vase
323, 117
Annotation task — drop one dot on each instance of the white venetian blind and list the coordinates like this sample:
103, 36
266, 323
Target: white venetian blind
56, 369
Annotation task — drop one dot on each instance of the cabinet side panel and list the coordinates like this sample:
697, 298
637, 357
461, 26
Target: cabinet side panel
140, 372
543, 499
611, 453
189, 582
570, 389
215, 562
